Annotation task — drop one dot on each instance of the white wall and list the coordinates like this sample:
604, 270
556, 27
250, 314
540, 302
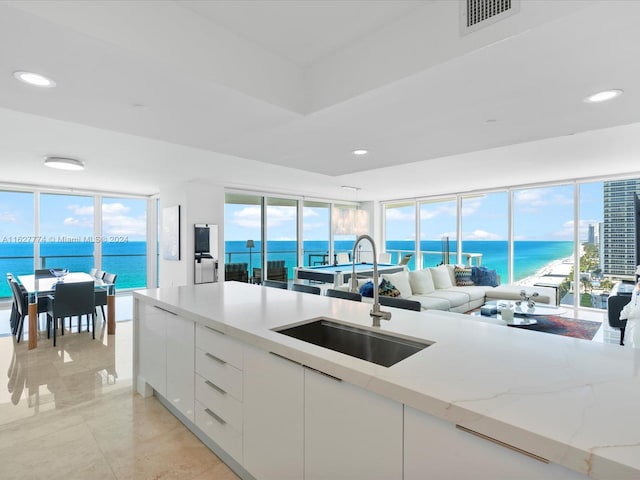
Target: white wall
198, 204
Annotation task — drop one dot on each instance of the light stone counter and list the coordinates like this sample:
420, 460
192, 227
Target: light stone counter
572, 401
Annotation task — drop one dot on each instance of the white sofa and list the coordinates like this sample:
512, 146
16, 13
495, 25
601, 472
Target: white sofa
435, 289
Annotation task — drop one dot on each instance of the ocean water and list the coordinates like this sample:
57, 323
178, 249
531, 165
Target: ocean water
529, 257
128, 259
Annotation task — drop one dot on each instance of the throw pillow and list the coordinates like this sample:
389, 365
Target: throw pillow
441, 278
421, 282
366, 289
401, 281
463, 276
484, 277
387, 289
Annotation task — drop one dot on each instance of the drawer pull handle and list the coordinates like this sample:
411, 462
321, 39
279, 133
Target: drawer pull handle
165, 310
213, 357
215, 417
323, 373
215, 387
504, 444
211, 328
284, 358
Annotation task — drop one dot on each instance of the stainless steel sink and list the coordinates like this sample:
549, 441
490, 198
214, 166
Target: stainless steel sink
376, 347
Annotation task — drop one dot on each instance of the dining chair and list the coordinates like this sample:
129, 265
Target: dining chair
405, 259
384, 257
71, 300
101, 295
21, 305
99, 274
299, 287
342, 258
43, 273
275, 284
93, 272
356, 297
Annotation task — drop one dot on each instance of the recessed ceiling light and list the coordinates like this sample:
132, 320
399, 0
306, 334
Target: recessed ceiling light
603, 96
360, 151
34, 79
64, 163
347, 187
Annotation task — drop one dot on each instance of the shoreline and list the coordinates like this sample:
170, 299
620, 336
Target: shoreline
554, 272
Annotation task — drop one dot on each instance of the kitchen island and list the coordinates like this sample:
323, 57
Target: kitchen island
482, 401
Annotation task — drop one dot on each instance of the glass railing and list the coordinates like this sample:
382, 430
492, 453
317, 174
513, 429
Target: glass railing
131, 269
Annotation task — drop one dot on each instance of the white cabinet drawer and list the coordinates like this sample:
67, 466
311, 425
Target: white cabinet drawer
219, 430
222, 374
216, 399
220, 345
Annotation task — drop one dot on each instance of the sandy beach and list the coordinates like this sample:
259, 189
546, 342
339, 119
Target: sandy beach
552, 273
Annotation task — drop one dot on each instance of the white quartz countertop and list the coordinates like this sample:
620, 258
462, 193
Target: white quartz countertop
571, 401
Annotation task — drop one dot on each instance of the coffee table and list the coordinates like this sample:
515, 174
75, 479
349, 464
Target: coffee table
522, 314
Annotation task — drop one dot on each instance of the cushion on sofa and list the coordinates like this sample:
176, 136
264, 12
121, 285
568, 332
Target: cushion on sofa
387, 289
421, 282
484, 276
463, 276
366, 289
441, 278
401, 281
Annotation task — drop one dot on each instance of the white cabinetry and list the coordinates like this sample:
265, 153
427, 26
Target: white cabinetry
219, 389
152, 355
180, 365
437, 449
166, 359
273, 416
350, 432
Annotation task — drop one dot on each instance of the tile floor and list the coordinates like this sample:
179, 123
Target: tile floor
70, 413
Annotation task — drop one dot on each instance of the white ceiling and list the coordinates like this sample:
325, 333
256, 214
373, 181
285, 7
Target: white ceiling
274, 95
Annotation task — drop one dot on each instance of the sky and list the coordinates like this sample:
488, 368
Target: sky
69, 217
544, 213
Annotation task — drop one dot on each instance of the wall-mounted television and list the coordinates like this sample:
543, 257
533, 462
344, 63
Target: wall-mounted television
202, 240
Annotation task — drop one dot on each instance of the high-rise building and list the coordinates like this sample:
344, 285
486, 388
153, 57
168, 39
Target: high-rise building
619, 232
591, 237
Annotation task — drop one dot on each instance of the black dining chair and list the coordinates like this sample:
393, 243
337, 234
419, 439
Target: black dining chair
71, 300
400, 303
101, 295
356, 297
21, 306
44, 272
615, 304
275, 284
299, 287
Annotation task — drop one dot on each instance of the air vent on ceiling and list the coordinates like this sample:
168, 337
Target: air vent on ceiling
476, 14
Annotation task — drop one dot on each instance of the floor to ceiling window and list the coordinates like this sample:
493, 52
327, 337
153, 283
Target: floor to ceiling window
67, 232
316, 233
591, 207
400, 231
485, 231
243, 231
123, 241
438, 231
17, 236
282, 237
543, 232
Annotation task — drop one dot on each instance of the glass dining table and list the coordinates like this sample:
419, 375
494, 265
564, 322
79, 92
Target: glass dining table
39, 286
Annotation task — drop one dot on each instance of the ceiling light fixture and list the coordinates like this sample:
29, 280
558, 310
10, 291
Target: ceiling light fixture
360, 151
34, 79
603, 96
64, 163
347, 187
